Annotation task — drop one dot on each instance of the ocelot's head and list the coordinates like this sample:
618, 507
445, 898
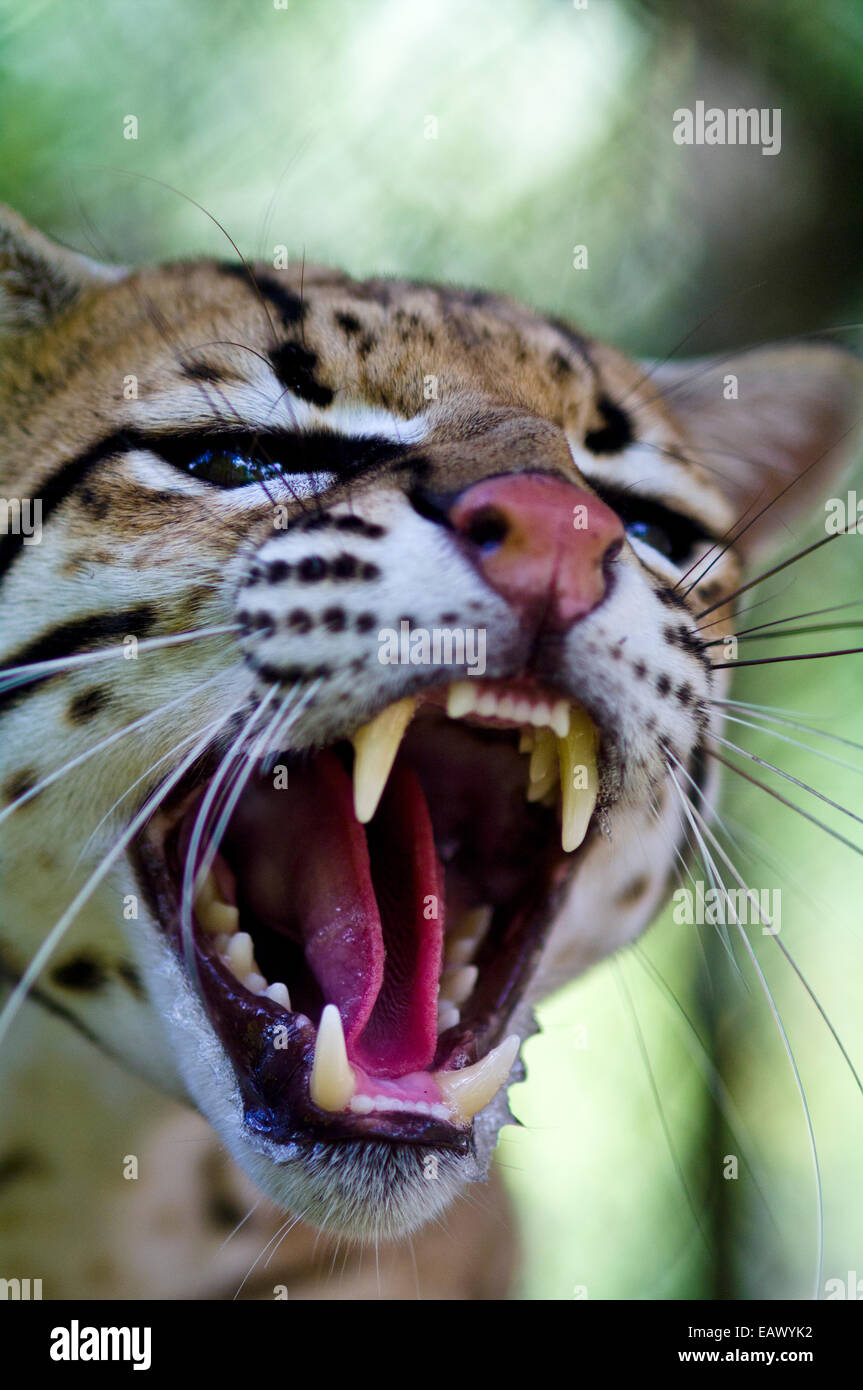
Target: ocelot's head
375, 636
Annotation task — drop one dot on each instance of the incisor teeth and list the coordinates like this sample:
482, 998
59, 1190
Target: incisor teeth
217, 917
468, 1091
577, 754
457, 982
375, 747
255, 983
278, 992
332, 1082
559, 718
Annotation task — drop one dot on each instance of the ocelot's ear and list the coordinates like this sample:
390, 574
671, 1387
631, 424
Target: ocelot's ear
38, 277
762, 419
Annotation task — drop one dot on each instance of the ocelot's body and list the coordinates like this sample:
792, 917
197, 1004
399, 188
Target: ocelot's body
305, 884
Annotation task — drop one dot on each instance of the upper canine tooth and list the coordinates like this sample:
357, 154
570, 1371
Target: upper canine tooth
468, 1091
216, 917
577, 754
461, 699
375, 747
207, 891
457, 982
332, 1082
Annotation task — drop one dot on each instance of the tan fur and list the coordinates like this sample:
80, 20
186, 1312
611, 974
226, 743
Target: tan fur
512, 392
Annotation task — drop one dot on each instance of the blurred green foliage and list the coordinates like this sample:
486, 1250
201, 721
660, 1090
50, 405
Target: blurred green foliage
307, 126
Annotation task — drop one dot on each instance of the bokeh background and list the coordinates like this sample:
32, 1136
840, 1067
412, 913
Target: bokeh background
309, 126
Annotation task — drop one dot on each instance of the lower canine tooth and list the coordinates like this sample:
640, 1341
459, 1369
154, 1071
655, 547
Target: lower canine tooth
447, 1015
465, 935
457, 982
578, 779
468, 1091
332, 1082
375, 747
543, 759
525, 739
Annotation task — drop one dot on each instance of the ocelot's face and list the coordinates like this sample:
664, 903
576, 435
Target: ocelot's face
431, 568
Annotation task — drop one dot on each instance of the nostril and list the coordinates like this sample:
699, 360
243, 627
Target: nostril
487, 528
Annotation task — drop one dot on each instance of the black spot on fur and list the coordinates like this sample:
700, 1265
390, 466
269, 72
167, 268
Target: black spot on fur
299, 621
359, 527
19, 784
288, 304
87, 705
640, 670
684, 694
335, 619
312, 569
349, 323
200, 371
368, 571
614, 434
671, 599
20, 1163
277, 570
344, 566
83, 973
634, 890
365, 622
129, 975
295, 367
663, 684
69, 639
559, 367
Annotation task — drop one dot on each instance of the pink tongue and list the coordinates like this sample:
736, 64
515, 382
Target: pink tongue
370, 913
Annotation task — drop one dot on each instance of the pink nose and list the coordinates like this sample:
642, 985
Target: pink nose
542, 543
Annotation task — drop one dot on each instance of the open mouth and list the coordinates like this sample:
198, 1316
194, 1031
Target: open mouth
375, 910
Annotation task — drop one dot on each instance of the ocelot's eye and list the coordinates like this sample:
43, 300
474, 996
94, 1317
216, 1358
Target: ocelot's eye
657, 537
670, 533
228, 468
